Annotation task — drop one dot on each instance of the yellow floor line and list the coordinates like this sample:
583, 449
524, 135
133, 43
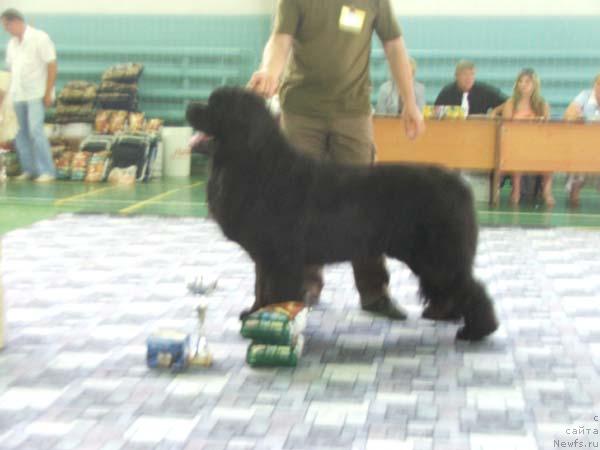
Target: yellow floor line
154, 199
89, 202
84, 194
193, 185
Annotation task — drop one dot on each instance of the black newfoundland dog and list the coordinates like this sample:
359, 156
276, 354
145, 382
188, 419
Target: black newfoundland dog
287, 210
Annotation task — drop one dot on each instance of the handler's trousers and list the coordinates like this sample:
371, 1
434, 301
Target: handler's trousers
350, 141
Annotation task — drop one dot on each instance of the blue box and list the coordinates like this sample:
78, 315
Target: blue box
168, 350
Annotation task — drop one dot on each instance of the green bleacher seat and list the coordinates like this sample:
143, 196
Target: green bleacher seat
175, 75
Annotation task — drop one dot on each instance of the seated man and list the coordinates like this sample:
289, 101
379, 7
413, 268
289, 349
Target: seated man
389, 100
584, 107
475, 97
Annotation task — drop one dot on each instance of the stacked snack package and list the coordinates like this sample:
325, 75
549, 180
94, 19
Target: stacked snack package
63, 165
97, 167
119, 89
102, 122
57, 149
11, 162
10, 159
136, 122
79, 165
76, 103
117, 122
276, 333
110, 121
153, 126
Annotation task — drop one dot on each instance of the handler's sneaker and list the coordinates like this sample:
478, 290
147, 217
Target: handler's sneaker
45, 178
384, 306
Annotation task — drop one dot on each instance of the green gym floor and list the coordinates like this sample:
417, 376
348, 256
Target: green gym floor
23, 203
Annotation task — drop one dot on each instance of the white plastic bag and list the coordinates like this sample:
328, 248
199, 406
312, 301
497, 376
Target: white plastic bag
8, 120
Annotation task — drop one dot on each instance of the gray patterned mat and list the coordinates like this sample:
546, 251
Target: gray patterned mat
82, 293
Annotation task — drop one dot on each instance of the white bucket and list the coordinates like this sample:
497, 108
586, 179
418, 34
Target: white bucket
177, 153
158, 164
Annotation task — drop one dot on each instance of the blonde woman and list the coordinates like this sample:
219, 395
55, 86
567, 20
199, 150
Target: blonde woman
527, 103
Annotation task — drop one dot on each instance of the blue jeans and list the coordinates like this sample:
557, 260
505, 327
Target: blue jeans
33, 147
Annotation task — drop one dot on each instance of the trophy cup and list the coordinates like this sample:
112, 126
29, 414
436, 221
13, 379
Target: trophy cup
199, 287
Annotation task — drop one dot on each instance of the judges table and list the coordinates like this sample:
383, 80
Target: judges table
549, 147
493, 145
461, 144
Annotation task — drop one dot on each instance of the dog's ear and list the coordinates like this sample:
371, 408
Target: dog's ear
197, 116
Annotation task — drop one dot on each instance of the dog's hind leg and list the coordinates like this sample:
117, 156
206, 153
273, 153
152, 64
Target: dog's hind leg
461, 296
478, 312
435, 291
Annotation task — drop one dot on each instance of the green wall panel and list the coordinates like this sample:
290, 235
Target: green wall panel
188, 56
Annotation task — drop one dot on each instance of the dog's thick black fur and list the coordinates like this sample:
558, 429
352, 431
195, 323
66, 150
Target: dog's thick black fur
287, 210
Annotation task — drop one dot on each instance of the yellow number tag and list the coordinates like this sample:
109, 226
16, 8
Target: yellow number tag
352, 19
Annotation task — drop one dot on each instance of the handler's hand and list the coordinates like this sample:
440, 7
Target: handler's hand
48, 100
414, 125
263, 83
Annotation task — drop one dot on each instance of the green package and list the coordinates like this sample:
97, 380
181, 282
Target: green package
277, 324
265, 355
267, 331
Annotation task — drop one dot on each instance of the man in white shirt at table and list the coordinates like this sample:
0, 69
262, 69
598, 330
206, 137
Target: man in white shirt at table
31, 59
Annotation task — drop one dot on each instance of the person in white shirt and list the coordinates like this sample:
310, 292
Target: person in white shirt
389, 100
586, 106
31, 59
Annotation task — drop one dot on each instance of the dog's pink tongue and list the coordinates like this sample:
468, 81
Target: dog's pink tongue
197, 138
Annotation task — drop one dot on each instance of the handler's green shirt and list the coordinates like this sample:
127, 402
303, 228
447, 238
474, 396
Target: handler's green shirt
328, 72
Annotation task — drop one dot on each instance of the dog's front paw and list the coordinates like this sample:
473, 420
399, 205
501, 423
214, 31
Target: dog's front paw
466, 333
463, 334
385, 307
246, 312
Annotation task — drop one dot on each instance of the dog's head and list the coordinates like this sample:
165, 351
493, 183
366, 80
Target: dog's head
231, 113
